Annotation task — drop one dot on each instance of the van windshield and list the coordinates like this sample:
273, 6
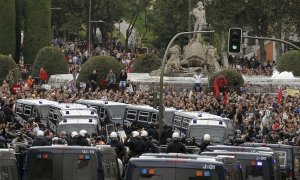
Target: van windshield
217, 134
164, 173
257, 169
116, 112
90, 128
52, 166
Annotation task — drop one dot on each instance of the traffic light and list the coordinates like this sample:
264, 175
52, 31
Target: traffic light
235, 40
153, 101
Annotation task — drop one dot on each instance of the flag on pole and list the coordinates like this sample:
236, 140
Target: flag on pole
279, 95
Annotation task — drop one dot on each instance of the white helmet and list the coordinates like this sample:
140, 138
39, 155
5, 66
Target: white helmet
144, 133
113, 135
206, 137
40, 133
73, 134
83, 132
175, 136
135, 133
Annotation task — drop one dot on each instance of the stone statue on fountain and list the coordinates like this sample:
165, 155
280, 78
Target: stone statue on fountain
196, 54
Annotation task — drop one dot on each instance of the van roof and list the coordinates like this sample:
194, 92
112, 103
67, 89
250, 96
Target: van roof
239, 148
207, 122
106, 149
90, 112
237, 154
7, 154
266, 145
38, 102
197, 115
79, 120
100, 102
53, 148
68, 105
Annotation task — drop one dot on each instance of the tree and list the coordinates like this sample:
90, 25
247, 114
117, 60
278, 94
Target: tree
147, 63
7, 27
8, 65
102, 64
37, 28
234, 78
290, 62
52, 60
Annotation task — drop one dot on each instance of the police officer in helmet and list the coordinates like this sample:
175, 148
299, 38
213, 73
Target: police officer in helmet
205, 142
149, 147
176, 146
117, 145
82, 140
136, 144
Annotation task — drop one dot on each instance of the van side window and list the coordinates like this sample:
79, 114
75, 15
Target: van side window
177, 121
154, 117
131, 114
35, 111
102, 113
50, 115
186, 122
95, 107
27, 110
19, 108
55, 115
143, 116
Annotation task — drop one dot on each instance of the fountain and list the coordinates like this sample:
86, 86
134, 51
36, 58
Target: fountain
282, 75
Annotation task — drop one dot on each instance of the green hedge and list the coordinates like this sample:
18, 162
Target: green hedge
234, 78
37, 28
102, 64
7, 65
7, 27
147, 63
53, 61
290, 62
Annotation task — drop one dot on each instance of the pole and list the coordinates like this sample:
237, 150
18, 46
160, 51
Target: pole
161, 83
273, 39
189, 19
89, 40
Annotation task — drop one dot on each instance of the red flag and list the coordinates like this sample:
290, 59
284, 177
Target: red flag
279, 95
216, 87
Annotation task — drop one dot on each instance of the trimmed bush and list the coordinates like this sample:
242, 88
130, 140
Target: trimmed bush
290, 62
147, 63
53, 61
102, 64
8, 65
37, 28
234, 78
7, 27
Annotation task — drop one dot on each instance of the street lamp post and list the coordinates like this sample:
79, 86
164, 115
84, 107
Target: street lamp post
244, 50
161, 83
90, 21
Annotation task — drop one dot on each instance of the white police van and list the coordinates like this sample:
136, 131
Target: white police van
195, 124
27, 108
109, 112
73, 117
146, 115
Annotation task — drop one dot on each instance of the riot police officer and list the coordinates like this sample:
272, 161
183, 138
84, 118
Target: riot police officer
205, 142
149, 147
74, 139
82, 141
136, 145
117, 145
176, 146
40, 140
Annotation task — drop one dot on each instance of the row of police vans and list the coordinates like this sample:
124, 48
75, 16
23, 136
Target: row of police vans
251, 161
90, 114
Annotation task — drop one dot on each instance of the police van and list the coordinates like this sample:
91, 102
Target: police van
27, 108
8, 165
289, 158
70, 117
71, 163
145, 115
181, 166
108, 111
196, 124
255, 165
